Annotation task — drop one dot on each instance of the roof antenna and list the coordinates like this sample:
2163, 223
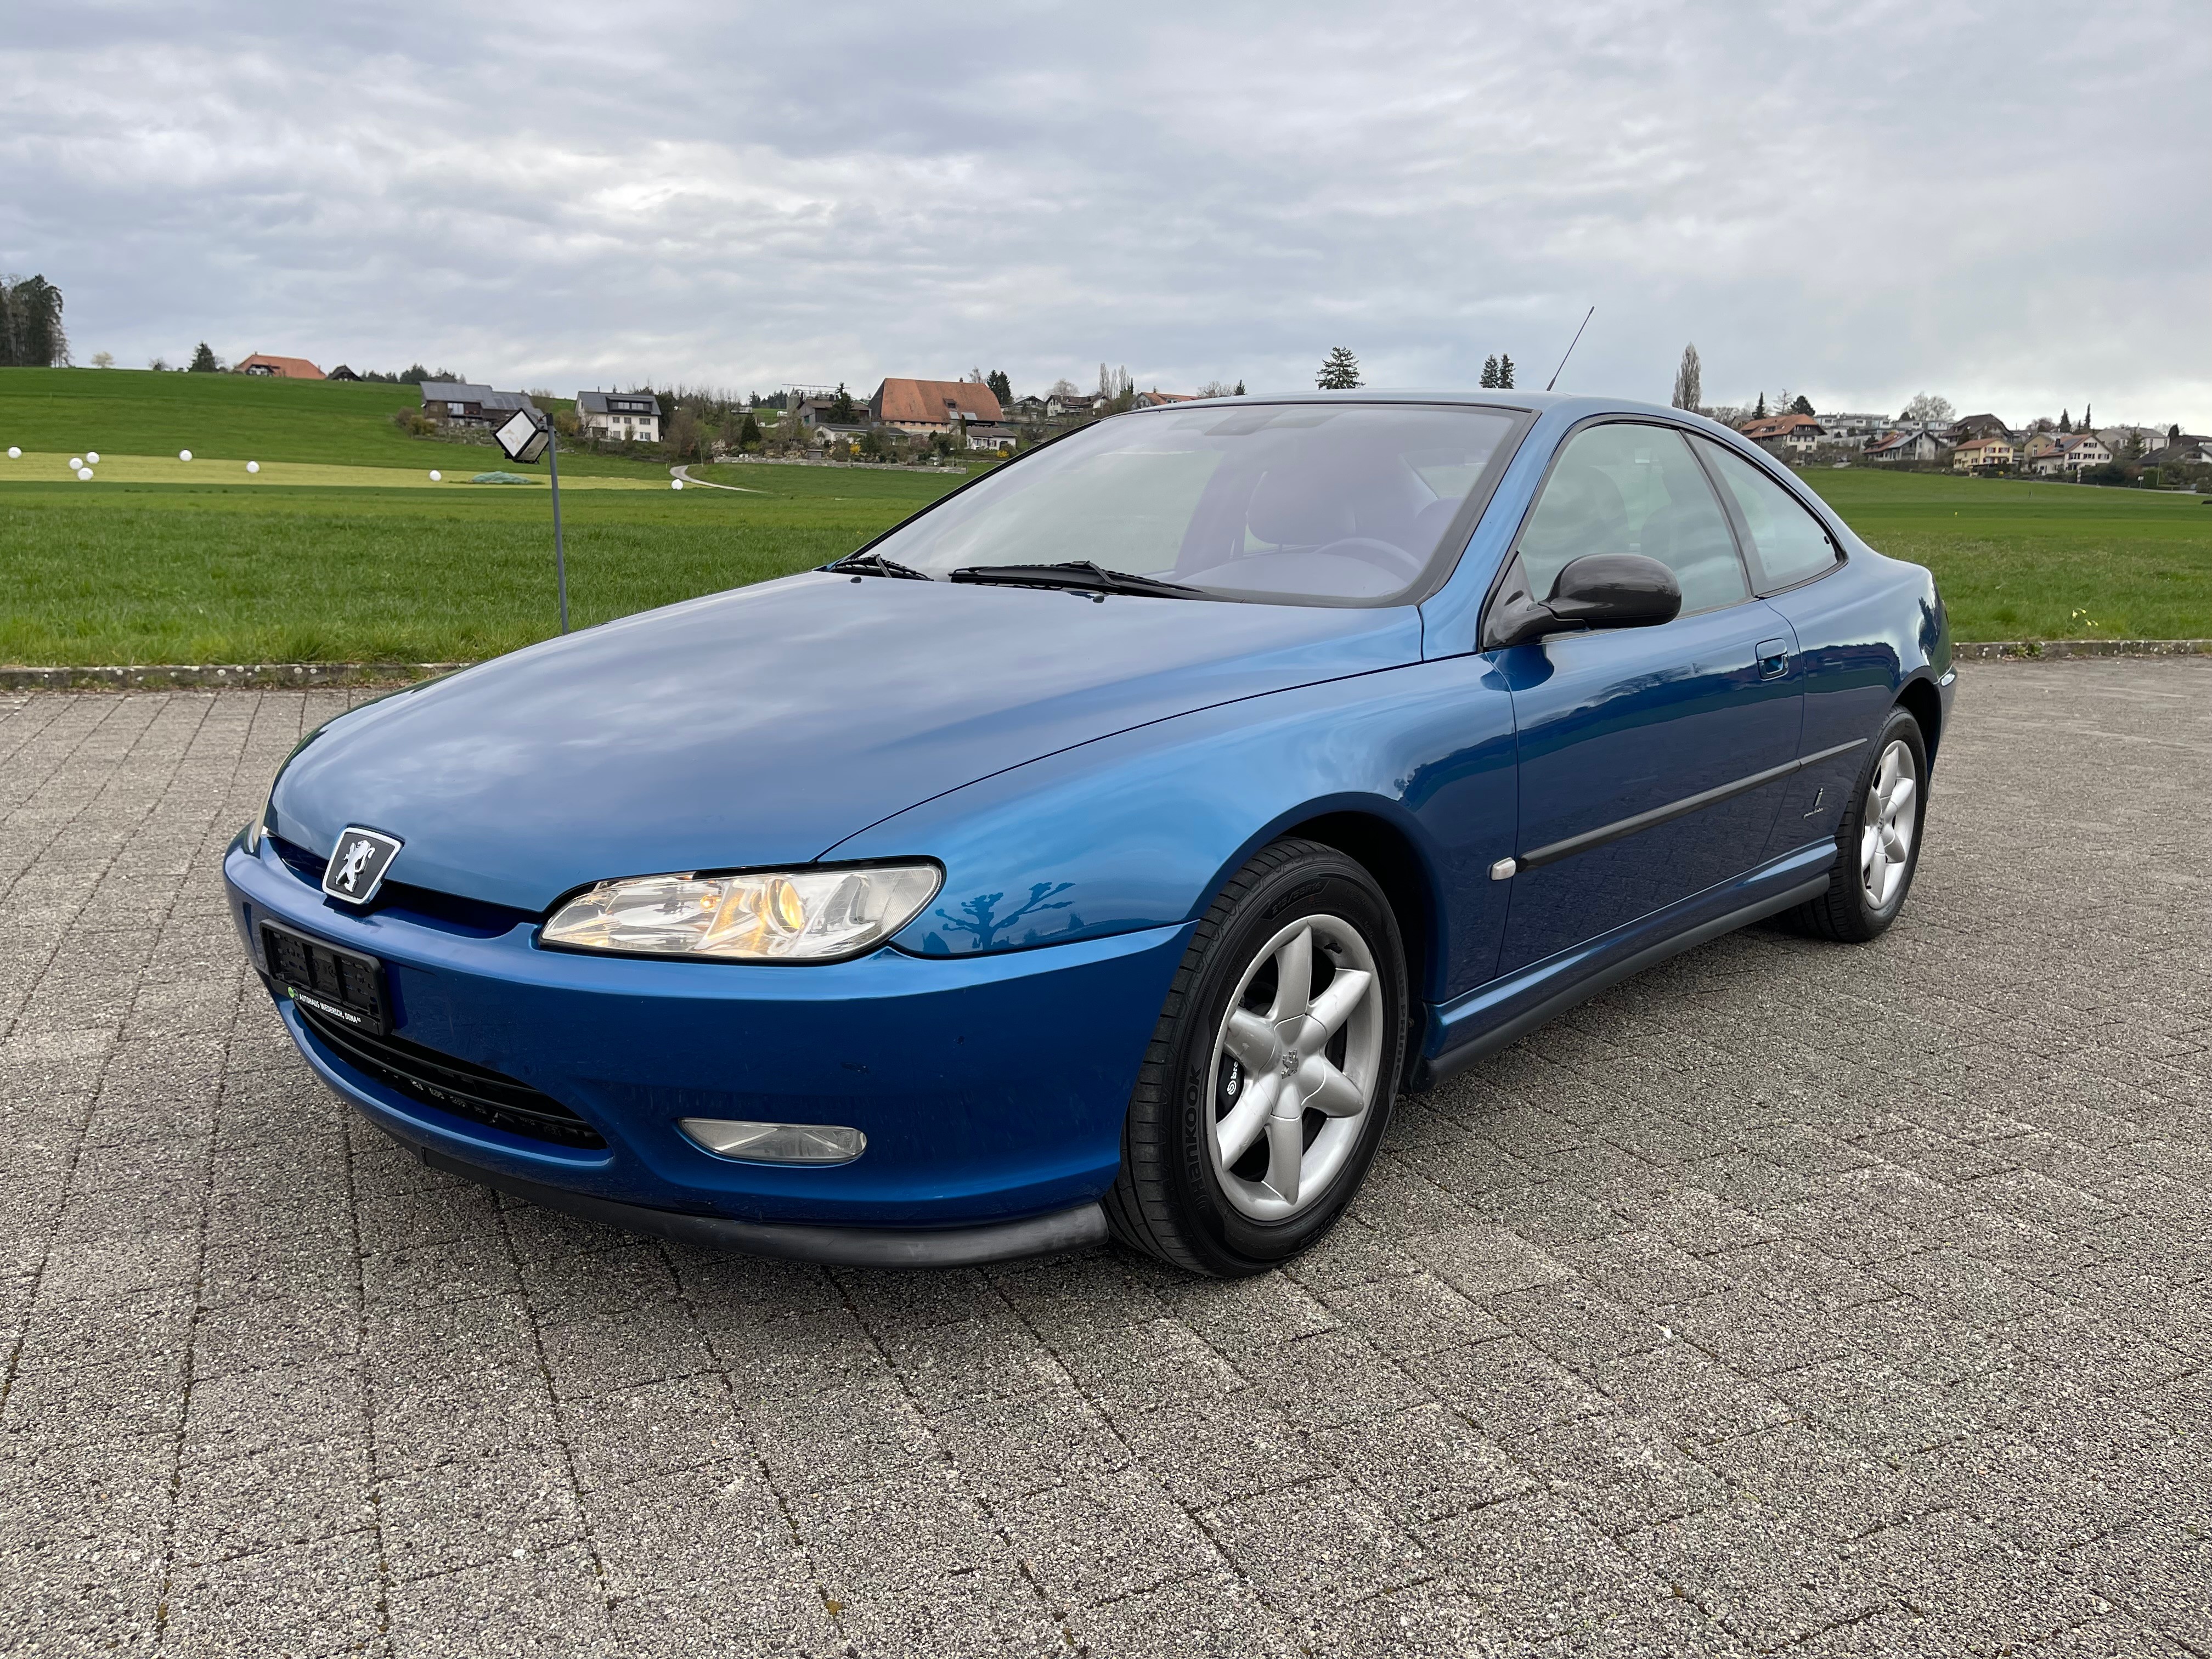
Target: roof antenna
1571, 345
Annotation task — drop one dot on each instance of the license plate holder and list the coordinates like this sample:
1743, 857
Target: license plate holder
341, 985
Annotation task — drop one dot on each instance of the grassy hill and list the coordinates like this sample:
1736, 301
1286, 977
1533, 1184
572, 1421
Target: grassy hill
239, 417
341, 549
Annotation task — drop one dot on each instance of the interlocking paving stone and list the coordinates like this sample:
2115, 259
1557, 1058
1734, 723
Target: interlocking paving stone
1791, 1297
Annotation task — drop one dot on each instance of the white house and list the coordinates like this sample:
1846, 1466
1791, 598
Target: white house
620, 416
1921, 446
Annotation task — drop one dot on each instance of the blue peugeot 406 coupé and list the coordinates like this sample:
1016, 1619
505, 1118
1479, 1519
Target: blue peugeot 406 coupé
1100, 852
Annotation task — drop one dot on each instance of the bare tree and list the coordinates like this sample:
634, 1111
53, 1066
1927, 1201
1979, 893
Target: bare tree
1929, 410
1689, 383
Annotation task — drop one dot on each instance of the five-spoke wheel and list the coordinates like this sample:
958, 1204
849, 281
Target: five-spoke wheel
1878, 842
1273, 1070
1295, 1066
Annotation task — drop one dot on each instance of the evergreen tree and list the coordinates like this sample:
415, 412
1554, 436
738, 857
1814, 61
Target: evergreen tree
1001, 387
1490, 373
1801, 404
2065, 421
2173, 433
31, 335
1689, 390
2088, 421
1240, 390
1339, 371
841, 406
749, 434
1759, 414
1504, 372
205, 362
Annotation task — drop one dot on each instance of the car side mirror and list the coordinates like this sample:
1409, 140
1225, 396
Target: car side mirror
1599, 590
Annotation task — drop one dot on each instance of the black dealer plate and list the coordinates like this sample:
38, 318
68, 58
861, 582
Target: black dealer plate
339, 984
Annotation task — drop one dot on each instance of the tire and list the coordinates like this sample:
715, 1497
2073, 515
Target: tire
1177, 1196
1863, 898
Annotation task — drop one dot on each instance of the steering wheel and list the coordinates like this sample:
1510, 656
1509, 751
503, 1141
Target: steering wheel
1386, 557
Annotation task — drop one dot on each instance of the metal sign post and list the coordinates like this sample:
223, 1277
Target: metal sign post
525, 440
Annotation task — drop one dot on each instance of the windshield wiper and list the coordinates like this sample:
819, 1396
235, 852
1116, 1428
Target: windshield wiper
875, 564
1081, 576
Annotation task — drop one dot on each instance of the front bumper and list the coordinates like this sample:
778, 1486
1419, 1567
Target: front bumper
992, 1089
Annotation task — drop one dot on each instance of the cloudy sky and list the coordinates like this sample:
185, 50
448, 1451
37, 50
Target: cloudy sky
2008, 204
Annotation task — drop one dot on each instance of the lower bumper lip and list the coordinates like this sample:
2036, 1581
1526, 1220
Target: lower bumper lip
1071, 1229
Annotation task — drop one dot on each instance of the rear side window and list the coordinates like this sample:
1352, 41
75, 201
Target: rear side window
1789, 541
1625, 489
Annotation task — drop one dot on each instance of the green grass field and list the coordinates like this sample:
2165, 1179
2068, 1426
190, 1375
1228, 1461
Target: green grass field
2031, 561
343, 552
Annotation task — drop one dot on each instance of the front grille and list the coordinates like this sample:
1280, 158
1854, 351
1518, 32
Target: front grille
452, 1085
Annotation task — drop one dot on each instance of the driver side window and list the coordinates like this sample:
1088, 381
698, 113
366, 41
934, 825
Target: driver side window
1626, 488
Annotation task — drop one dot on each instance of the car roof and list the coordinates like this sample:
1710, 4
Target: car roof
1575, 404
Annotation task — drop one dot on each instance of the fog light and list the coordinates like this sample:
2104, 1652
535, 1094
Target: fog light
775, 1143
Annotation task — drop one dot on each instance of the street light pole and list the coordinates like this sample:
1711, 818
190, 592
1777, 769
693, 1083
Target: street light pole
527, 435
560, 557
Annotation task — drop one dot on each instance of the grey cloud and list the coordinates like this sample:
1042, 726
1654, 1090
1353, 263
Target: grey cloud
2006, 207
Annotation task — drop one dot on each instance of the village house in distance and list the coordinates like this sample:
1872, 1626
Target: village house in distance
280, 368
456, 402
926, 408
620, 416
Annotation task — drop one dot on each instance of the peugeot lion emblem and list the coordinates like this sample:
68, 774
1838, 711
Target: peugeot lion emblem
356, 867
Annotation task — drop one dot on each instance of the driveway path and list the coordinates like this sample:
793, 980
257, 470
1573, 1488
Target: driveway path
1791, 1297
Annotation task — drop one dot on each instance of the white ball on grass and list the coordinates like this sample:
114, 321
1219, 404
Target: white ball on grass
437, 477
676, 483
76, 461
85, 473
253, 467
91, 458
15, 452
184, 454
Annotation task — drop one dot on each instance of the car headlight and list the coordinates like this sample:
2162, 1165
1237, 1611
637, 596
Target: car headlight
775, 916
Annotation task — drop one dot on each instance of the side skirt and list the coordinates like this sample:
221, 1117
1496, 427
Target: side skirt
1494, 1016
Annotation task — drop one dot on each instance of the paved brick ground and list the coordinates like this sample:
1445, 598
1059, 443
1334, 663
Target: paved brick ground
1791, 1297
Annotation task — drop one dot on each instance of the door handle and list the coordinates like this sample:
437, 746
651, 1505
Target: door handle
1773, 659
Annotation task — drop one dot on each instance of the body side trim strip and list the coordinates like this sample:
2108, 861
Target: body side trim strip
1571, 845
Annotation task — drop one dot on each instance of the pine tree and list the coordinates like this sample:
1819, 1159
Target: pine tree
2088, 421
1490, 373
2065, 422
1001, 387
1240, 390
841, 406
1759, 414
31, 335
205, 362
749, 434
1689, 390
1504, 372
1339, 371
1801, 404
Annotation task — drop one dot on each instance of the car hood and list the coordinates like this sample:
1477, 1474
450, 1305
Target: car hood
763, 725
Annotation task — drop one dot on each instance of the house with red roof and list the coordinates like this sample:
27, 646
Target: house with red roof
932, 407
280, 368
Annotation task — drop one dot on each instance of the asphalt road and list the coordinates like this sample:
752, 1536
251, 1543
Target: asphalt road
1793, 1295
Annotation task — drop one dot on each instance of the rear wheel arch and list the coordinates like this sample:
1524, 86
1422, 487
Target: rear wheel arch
1924, 703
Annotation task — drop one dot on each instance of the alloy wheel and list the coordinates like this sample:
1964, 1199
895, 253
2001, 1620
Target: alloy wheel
1887, 826
1296, 1065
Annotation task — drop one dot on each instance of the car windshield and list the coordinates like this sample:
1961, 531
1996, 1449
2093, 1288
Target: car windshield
1286, 503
